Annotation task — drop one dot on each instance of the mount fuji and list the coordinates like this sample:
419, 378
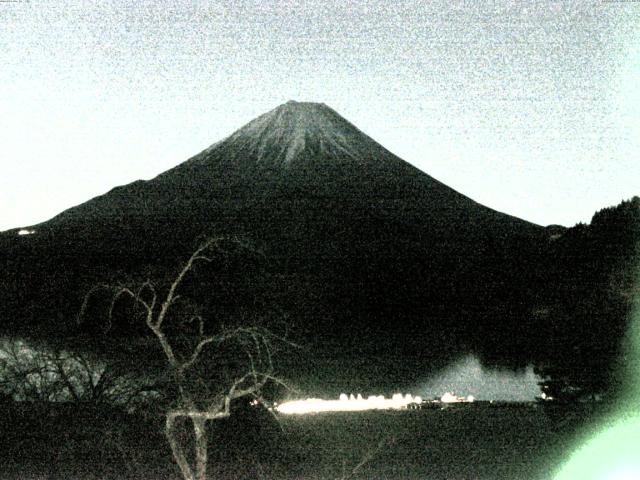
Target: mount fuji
353, 244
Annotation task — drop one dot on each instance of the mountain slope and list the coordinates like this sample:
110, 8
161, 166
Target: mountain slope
355, 244
304, 150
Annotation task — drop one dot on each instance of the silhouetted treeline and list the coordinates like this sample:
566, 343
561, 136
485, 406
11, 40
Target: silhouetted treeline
591, 274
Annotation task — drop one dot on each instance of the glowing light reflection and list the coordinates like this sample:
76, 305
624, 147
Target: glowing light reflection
349, 404
613, 452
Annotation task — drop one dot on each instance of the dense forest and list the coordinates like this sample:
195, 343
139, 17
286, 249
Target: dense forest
592, 276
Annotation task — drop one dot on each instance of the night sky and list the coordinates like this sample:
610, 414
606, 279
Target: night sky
530, 108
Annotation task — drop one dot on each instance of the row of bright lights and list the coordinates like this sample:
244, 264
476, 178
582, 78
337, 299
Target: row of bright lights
348, 404
358, 403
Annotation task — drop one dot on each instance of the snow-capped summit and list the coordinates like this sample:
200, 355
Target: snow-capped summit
295, 129
295, 134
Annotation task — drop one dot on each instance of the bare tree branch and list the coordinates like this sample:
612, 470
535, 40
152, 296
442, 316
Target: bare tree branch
195, 257
192, 404
196, 352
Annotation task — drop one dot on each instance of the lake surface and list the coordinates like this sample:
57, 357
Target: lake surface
514, 441
508, 441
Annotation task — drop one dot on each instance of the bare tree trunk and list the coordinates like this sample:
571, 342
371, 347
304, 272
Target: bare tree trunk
254, 342
176, 449
200, 430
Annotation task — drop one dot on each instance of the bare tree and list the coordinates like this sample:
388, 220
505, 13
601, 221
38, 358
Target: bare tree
48, 374
27, 374
198, 398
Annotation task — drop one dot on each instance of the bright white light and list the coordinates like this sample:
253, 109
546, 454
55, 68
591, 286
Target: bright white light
26, 231
450, 398
349, 404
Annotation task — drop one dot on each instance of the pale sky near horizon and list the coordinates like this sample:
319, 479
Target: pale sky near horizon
531, 108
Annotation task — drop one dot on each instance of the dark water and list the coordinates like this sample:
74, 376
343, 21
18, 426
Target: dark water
484, 442
505, 441
463, 442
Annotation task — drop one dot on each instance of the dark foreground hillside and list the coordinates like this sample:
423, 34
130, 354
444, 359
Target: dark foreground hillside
519, 441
